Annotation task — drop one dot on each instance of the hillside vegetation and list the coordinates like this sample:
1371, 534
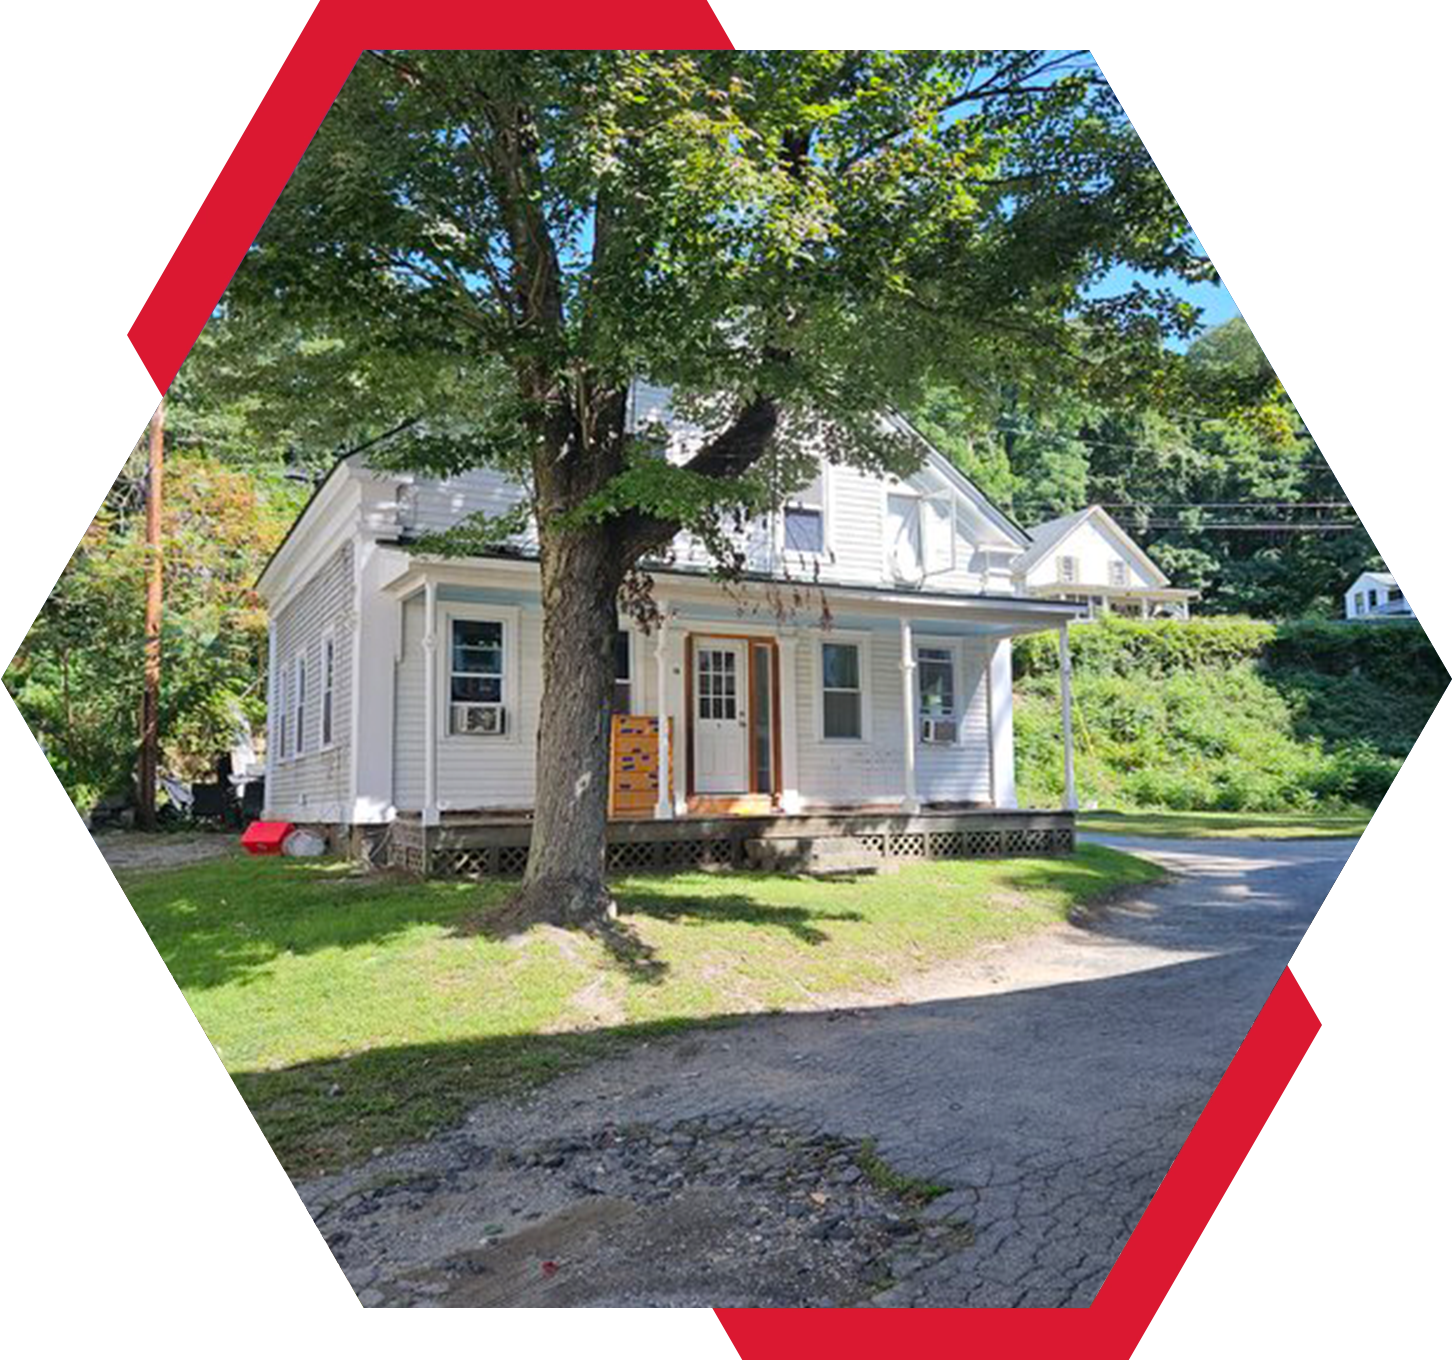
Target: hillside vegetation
1232, 715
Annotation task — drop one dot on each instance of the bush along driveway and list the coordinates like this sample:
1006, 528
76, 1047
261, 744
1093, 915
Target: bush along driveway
991, 1141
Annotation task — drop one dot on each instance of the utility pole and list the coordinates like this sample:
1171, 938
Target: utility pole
151, 685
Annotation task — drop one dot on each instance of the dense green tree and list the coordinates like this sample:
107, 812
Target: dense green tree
78, 673
781, 237
1219, 479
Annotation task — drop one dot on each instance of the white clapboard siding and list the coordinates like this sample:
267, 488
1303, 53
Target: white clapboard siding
1094, 549
473, 772
872, 771
314, 787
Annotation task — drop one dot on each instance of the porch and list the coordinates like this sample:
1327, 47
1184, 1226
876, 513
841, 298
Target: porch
836, 700
487, 844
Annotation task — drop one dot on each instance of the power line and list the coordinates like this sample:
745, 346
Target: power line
1226, 505
1323, 527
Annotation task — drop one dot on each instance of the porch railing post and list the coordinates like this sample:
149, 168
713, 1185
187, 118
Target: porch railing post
911, 716
787, 659
1067, 730
664, 809
431, 706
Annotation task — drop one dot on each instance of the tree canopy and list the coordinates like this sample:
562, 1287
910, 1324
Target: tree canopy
476, 238
78, 673
1225, 486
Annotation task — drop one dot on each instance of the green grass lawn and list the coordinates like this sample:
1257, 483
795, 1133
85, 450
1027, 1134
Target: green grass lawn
358, 1011
1270, 826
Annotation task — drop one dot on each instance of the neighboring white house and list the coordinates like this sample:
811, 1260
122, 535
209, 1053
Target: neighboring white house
1089, 558
404, 684
1375, 595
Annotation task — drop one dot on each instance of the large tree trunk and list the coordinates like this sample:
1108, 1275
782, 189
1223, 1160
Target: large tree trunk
565, 879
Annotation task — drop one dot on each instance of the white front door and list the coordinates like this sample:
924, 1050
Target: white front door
719, 697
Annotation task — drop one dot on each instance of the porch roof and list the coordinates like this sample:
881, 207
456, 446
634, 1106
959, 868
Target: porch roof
698, 596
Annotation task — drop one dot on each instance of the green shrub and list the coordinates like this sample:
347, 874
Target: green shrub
1226, 715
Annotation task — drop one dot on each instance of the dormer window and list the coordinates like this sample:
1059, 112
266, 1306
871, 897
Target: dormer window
803, 520
803, 529
906, 537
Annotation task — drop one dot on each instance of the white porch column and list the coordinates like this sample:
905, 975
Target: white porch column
663, 722
911, 715
1002, 726
787, 660
1067, 731
430, 644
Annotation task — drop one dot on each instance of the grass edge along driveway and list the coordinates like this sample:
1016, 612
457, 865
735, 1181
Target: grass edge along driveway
1269, 826
356, 1012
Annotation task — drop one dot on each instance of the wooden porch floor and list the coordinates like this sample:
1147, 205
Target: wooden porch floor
484, 844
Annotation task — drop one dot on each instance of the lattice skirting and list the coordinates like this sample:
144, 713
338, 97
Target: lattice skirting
406, 849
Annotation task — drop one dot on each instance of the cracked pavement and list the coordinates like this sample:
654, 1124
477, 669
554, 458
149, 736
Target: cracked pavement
1048, 1085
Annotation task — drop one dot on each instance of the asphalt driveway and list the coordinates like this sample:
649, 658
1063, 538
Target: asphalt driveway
1044, 1089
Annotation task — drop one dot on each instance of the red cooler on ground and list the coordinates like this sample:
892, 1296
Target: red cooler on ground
266, 838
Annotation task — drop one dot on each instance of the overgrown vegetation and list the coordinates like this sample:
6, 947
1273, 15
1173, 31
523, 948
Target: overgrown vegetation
1227, 715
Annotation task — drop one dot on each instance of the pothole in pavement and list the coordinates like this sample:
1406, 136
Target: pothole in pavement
723, 1211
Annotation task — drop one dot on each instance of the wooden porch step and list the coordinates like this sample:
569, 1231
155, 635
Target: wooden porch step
820, 856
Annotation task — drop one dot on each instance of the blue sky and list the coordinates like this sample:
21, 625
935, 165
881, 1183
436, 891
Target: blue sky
1213, 298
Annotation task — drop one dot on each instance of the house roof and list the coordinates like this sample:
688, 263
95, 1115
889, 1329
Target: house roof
1046, 537
1382, 578
933, 457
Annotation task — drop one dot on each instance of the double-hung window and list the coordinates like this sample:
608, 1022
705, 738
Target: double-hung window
300, 701
325, 694
1067, 570
477, 677
1118, 572
935, 668
280, 709
803, 530
842, 692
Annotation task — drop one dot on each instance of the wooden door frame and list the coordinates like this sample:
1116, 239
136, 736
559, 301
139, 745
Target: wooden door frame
689, 679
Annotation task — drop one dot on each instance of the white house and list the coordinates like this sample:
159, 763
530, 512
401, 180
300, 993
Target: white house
1088, 557
1375, 595
406, 688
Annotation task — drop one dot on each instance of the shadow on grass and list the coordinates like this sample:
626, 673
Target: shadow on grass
224, 922
666, 902
321, 1116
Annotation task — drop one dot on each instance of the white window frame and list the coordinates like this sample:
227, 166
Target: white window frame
631, 668
863, 642
1358, 603
1061, 579
800, 501
451, 611
299, 706
923, 499
281, 751
923, 643
328, 690
1120, 572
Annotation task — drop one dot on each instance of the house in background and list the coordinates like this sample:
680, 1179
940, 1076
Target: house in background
856, 685
1375, 595
1090, 559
